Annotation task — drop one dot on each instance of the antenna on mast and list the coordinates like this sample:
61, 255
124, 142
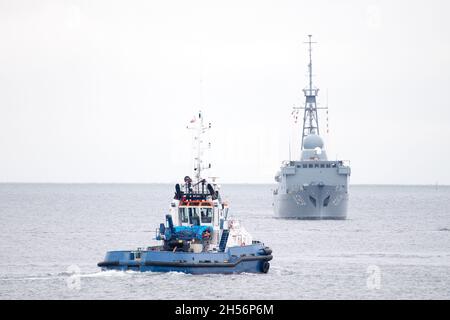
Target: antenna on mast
310, 117
289, 148
328, 123
310, 61
200, 129
201, 94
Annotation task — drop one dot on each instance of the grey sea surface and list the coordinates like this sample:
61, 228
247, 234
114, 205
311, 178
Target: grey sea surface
395, 244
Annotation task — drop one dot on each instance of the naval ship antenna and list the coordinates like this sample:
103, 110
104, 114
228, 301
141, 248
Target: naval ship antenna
310, 62
310, 118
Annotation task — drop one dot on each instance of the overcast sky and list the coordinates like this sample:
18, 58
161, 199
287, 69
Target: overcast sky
102, 91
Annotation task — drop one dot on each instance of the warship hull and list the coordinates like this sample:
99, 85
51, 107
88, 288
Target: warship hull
313, 202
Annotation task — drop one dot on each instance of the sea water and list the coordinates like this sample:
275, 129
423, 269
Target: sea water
395, 244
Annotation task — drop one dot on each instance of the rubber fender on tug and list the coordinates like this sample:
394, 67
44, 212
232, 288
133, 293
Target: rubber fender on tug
267, 251
265, 267
108, 263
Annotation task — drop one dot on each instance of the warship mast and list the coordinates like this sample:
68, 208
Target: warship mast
310, 118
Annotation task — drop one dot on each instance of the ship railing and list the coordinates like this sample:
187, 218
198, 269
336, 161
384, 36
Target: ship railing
345, 163
314, 161
196, 196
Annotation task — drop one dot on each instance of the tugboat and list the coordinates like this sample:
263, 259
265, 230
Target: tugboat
198, 236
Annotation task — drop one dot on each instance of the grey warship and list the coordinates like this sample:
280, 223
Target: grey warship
312, 187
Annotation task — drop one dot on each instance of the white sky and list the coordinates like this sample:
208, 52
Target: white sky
101, 91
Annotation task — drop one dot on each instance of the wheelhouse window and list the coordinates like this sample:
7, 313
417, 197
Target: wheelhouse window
206, 214
184, 217
194, 219
305, 166
310, 165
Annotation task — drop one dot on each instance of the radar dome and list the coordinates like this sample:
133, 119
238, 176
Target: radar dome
312, 141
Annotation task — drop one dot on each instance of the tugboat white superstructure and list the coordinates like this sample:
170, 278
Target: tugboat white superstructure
198, 236
313, 187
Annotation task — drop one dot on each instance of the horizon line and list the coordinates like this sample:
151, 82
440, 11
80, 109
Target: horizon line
242, 183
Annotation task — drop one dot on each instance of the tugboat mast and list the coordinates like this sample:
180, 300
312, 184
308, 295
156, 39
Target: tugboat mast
198, 142
310, 118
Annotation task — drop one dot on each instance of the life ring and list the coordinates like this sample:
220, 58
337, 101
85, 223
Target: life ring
206, 235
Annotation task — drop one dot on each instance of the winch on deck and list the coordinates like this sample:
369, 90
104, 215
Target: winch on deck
183, 238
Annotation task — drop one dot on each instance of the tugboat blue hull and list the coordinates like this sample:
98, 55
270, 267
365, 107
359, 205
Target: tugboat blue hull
252, 259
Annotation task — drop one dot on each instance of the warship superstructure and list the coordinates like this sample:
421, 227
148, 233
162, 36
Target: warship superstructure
312, 187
